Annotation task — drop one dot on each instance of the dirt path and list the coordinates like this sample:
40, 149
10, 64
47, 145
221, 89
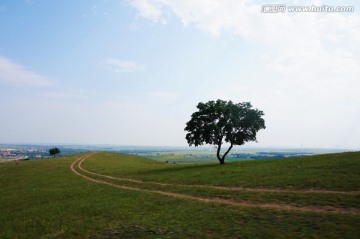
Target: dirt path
271, 190
77, 168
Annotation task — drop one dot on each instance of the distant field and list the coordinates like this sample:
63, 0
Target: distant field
183, 157
110, 195
203, 155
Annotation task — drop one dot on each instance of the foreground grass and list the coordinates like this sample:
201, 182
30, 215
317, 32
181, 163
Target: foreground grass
44, 199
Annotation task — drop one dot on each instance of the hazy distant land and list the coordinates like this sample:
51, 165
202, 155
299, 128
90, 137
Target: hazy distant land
170, 154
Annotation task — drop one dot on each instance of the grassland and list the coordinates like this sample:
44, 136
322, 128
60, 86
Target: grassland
207, 155
303, 197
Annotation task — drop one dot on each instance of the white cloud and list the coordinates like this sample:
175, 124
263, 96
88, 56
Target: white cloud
301, 45
305, 51
14, 73
116, 65
150, 9
313, 57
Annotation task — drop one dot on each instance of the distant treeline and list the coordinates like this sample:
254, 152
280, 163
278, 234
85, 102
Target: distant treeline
268, 155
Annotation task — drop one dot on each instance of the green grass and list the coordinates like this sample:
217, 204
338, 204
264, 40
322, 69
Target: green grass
44, 199
328, 171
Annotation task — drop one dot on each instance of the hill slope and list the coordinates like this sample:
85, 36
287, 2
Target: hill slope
329, 171
315, 196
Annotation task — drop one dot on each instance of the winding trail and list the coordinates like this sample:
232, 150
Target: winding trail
77, 168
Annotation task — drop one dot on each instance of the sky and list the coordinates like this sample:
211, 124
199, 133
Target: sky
131, 72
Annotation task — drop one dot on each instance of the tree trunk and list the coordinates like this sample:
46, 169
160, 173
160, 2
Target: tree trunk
218, 154
223, 157
219, 149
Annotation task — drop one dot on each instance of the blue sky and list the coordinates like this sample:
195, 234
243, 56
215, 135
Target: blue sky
131, 72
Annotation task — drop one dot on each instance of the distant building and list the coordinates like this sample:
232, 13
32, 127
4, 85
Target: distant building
4, 153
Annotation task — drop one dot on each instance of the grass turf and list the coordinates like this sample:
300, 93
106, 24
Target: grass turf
328, 171
44, 199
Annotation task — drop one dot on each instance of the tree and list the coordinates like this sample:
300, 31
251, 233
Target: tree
54, 151
224, 122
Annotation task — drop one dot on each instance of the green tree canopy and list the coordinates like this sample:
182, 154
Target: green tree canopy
54, 151
218, 122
